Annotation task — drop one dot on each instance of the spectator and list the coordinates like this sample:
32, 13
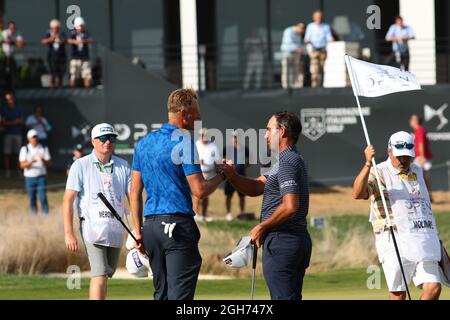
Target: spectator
399, 34
55, 39
80, 40
294, 57
77, 153
254, 49
35, 159
422, 149
240, 156
38, 122
318, 34
209, 155
11, 39
12, 120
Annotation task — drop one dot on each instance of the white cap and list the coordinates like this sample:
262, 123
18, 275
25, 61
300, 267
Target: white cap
137, 264
405, 140
54, 23
240, 256
32, 133
102, 129
79, 21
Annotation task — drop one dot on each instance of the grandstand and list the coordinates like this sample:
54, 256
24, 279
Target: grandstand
201, 44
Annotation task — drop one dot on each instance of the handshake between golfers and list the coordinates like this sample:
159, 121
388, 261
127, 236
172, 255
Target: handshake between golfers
241, 183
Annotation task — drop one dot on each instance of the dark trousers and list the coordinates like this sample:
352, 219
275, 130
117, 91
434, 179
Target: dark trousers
37, 186
175, 261
401, 60
285, 259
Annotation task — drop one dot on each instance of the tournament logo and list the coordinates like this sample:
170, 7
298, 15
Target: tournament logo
313, 123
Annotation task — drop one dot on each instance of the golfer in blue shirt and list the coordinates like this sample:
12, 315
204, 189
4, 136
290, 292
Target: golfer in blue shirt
164, 164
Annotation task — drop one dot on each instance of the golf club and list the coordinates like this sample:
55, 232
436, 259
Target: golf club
117, 216
254, 255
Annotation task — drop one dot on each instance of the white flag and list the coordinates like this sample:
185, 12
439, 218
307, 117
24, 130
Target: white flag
374, 80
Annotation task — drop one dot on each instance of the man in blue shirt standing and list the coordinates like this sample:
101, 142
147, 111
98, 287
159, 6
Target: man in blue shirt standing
294, 56
399, 34
318, 34
164, 163
283, 228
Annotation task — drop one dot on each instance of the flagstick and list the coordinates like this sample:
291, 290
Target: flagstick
383, 200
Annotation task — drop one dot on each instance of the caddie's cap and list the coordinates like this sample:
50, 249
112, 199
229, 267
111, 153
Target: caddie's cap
102, 129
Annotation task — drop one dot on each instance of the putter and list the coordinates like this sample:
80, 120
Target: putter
116, 215
254, 256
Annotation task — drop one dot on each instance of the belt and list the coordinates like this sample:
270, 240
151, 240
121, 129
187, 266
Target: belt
319, 49
169, 215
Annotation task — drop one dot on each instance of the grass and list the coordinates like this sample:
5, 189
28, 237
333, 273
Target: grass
33, 245
349, 284
345, 242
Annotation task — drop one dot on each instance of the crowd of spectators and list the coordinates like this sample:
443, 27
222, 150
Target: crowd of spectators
302, 66
34, 71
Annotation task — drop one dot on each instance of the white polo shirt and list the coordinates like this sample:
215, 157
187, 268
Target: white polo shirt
82, 174
38, 153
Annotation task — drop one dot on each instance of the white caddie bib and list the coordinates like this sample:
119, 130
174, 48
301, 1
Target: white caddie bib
100, 226
411, 207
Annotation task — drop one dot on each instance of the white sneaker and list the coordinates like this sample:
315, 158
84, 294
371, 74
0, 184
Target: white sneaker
208, 219
229, 217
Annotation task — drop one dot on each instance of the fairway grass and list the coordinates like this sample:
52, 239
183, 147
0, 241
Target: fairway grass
337, 285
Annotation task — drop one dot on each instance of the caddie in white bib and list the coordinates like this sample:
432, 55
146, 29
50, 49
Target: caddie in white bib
401, 210
411, 208
102, 233
100, 225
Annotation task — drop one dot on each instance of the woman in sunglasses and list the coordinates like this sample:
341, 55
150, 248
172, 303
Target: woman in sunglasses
102, 234
409, 206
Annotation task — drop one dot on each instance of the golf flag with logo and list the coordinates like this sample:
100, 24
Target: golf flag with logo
374, 80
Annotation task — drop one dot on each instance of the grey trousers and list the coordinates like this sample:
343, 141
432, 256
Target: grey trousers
175, 261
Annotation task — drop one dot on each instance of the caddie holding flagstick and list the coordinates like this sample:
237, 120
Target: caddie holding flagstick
102, 233
409, 207
406, 236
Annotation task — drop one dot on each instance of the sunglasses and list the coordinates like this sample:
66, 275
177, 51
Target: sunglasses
403, 145
110, 137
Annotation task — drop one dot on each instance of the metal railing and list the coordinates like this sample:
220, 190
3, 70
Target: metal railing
229, 66
30, 67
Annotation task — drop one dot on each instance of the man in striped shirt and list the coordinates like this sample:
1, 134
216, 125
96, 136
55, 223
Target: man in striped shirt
283, 229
